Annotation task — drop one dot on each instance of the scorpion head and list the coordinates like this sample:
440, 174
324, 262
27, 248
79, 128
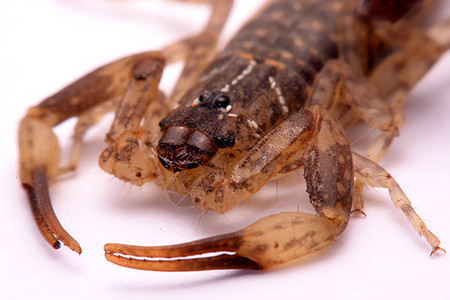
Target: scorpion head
193, 134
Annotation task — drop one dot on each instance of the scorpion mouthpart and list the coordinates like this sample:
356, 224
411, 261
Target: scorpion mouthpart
216, 253
181, 149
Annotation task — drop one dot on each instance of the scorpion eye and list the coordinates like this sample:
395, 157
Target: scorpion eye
205, 96
222, 101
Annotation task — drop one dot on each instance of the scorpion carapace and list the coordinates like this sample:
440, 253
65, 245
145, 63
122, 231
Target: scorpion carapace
194, 133
249, 76
274, 101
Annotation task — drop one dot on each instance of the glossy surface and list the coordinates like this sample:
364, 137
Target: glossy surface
359, 259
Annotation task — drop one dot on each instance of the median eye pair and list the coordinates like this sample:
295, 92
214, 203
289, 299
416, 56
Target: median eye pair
217, 100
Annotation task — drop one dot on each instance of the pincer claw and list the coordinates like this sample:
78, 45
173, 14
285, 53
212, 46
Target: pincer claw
271, 241
207, 254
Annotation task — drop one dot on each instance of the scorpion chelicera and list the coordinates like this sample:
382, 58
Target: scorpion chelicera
275, 100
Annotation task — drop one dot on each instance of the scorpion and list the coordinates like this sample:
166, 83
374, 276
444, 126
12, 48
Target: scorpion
277, 99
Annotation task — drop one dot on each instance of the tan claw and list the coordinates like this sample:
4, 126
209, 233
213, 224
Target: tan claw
271, 241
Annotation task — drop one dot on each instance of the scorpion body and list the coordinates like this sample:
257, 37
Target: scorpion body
258, 80
274, 101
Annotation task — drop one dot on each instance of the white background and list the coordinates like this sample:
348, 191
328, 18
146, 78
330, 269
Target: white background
46, 44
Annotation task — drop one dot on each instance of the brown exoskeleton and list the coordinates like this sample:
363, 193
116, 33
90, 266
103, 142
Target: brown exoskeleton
275, 100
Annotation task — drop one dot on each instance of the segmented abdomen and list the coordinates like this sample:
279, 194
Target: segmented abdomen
298, 34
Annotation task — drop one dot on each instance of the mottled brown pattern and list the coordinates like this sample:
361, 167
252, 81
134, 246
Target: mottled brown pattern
329, 169
260, 249
98, 86
281, 43
208, 182
85, 93
269, 104
307, 240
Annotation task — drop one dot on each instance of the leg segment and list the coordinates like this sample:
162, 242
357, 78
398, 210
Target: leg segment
338, 81
393, 77
85, 121
397, 74
278, 238
372, 174
199, 51
337, 84
124, 157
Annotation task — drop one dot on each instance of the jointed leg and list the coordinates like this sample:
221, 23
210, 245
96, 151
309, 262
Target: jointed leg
396, 75
199, 50
399, 72
336, 85
85, 121
372, 174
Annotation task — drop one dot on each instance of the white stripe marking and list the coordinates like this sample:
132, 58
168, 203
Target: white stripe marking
274, 86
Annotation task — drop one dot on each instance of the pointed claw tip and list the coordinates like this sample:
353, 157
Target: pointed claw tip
77, 249
359, 212
109, 248
436, 249
74, 246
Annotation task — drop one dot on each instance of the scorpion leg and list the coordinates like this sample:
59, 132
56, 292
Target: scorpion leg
200, 49
339, 84
281, 237
372, 174
84, 122
396, 75
39, 150
399, 72
410, 60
